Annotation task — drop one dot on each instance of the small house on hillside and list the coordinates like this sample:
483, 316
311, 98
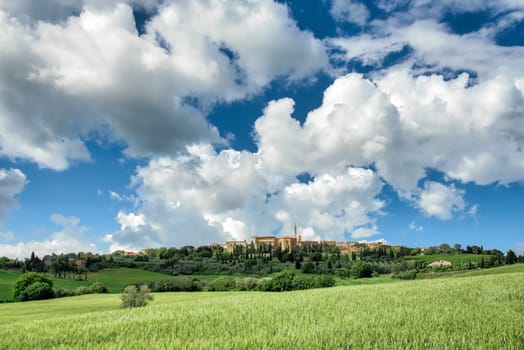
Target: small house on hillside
440, 263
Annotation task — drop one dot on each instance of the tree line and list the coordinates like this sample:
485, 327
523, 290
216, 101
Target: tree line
313, 258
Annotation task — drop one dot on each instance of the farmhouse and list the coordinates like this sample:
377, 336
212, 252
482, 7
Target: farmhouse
440, 263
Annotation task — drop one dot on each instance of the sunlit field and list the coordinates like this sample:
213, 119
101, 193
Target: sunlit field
476, 312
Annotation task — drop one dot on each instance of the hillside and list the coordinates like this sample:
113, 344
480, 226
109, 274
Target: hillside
477, 312
458, 260
114, 279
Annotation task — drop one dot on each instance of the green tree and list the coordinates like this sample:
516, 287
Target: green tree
298, 264
308, 267
98, 287
283, 281
32, 286
316, 257
135, 296
361, 270
222, 284
511, 257
444, 248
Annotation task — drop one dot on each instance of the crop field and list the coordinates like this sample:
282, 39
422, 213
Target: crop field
475, 312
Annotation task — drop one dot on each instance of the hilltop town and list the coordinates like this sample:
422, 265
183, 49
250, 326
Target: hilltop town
290, 242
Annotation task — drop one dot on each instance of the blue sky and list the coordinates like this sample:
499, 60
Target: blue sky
145, 123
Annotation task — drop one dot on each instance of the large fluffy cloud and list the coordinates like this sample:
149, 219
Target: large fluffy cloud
441, 201
205, 196
92, 71
403, 126
392, 129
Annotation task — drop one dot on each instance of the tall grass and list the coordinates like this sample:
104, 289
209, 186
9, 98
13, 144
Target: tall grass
479, 312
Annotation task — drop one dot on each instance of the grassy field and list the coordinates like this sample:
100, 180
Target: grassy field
114, 279
473, 312
457, 260
117, 279
7, 280
516, 268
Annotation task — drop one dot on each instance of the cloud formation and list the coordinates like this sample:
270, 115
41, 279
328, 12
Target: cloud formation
365, 132
69, 239
207, 196
452, 103
92, 73
12, 181
440, 201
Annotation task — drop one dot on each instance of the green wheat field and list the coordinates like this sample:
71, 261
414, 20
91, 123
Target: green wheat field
469, 312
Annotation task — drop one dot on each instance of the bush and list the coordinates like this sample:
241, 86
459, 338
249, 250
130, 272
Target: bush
308, 267
326, 281
288, 280
248, 283
222, 284
63, 292
180, 284
82, 290
39, 290
135, 296
265, 284
283, 281
343, 272
32, 286
406, 275
98, 287
361, 270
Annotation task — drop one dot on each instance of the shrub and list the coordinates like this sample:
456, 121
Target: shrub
309, 282
39, 290
406, 275
82, 290
248, 283
32, 286
222, 284
98, 287
326, 281
283, 281
308, 267
135, 296
265, 284
63, 292
180, 284
361, 270
343, 272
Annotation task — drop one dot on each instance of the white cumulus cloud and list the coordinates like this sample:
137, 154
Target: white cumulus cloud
69, 239
441, 201
91, 73
207, 196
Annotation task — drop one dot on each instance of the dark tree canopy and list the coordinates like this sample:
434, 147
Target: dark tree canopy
32, 286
